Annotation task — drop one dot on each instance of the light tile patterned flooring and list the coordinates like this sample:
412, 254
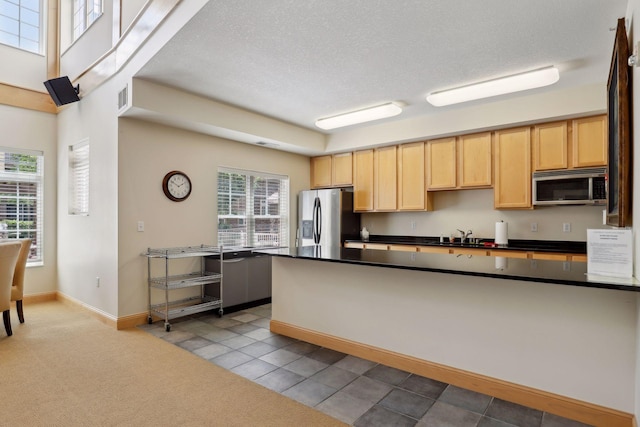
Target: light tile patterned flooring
356, 391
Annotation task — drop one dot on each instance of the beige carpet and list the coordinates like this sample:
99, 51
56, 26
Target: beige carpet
65, 368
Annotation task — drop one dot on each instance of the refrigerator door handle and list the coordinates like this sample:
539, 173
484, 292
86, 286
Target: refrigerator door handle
317, 220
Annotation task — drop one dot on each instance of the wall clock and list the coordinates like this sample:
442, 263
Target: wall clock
176, 186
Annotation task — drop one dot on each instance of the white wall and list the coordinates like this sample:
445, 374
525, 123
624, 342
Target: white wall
146, 153
88, 245
37, 131
473, 210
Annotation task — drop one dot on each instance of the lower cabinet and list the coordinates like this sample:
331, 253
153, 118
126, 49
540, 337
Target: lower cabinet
247, 279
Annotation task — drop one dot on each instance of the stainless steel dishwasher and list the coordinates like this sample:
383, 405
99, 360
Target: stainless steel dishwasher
247, 278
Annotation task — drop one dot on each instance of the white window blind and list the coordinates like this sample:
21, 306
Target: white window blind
79, 178
21, 198
253, 208
85, 12
20, 24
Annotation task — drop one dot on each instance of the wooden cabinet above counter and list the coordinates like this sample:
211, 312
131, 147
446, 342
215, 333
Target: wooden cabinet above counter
403, 177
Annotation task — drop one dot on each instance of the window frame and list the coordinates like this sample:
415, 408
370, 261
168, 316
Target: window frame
88, 18
20, 23
248, 234
36, 257
79, 181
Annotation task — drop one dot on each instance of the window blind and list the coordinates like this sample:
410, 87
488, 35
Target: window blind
253, 208
79, 178
21, 198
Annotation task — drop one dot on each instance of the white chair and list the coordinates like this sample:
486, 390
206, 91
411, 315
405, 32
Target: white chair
9, 252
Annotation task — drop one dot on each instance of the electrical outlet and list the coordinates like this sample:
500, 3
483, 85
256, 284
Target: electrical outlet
413, 257
566, 227
140, 225
566, 265
534, 227
97, 282
413, 225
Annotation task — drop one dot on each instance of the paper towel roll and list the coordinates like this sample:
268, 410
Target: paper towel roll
501, 233
501, 263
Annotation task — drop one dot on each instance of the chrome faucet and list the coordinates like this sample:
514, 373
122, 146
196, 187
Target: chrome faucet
464, 235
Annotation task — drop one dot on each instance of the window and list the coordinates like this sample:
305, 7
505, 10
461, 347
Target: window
20, 24
85, 13
21, 205
79, 178
253, 208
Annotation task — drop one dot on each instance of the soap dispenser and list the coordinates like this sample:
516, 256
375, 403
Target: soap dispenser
364, 234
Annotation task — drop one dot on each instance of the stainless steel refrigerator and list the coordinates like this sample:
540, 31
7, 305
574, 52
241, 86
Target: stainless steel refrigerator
326, 217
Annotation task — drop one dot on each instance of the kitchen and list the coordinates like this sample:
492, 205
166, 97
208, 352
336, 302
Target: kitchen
123, 143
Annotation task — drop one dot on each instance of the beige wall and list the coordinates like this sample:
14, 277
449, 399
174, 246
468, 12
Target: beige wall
146, 153
473, 210
33, 130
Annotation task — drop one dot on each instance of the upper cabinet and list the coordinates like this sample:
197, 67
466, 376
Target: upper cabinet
462, 162
441, 164
412, 194
512, 188
363, 184
332, 170
570, 144
386, 178
589, 142
475, 161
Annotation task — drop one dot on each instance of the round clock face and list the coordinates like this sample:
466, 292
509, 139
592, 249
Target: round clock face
176, 186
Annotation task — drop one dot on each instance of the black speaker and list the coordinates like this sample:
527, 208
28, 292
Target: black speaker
62, 91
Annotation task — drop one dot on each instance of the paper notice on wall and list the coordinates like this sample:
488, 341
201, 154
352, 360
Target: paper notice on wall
610, 253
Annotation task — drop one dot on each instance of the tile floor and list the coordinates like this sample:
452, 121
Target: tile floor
353, 390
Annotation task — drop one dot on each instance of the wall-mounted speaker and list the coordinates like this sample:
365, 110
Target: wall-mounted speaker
62, 91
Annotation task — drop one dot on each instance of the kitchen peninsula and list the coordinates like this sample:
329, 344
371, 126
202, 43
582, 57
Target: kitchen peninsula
536, 332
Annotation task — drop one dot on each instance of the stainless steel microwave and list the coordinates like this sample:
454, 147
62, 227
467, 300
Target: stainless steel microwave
570, 187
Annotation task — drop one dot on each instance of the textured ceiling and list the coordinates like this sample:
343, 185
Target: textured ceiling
300, 60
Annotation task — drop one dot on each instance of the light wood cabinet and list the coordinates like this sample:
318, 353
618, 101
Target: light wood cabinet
332, 170
462, 162
512, 189
571, 144
363, 185
589, 141
386, 179
441, 164
475, 160
550, 147
412, 194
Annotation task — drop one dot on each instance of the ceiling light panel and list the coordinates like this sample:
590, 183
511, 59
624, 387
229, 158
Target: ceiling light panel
366, 115
509, 84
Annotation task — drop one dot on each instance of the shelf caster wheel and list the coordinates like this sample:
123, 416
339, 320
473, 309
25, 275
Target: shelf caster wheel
167, 327
149, 320
220, 313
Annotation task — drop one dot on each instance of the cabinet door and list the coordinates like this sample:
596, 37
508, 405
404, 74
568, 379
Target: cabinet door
441, 164
321, 172
512, 188
550, 148
589, 142
363, 182
411, 177
475, 160
259, 283
386, 179
342, 169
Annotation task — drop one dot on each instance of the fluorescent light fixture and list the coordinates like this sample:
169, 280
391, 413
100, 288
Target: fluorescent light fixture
514, 83
366, 115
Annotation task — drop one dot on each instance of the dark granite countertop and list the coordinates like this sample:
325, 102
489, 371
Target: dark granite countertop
560, 246
545, 271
